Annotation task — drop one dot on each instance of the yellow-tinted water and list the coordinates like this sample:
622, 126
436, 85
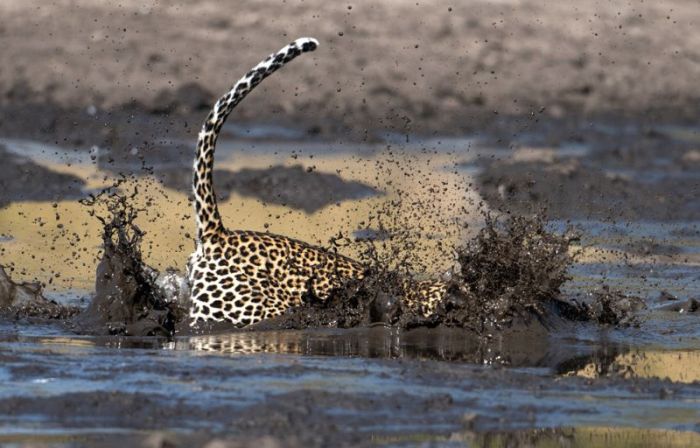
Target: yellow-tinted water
681, 366
587, 437
59, 243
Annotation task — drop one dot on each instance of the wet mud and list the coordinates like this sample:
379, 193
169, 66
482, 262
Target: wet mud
22, 179
166, 398
24, 300
543, 339
626, 173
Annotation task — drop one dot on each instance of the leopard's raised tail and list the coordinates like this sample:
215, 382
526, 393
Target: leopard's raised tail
244, 276
208, 217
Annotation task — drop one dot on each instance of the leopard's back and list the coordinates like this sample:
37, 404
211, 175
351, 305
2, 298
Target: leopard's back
245, 276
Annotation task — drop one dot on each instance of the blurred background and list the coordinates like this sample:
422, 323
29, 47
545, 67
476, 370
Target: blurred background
444, 67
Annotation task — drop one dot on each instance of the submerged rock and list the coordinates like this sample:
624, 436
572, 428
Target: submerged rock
614, 308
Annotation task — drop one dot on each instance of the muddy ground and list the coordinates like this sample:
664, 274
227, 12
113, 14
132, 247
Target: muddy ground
291, 400
614, 173
416, 412
443, 68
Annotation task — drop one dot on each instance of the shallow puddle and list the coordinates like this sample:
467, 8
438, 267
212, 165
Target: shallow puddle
392, 387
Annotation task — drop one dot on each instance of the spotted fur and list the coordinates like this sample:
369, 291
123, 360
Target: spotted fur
244, 276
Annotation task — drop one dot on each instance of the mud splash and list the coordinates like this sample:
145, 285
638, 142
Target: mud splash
510, 277
129, 299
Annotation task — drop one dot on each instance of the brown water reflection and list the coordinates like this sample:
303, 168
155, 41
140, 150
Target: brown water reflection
520, 349
580, 437
682, 366
442, 344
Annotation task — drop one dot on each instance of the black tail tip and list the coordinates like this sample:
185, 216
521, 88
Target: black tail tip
306, 44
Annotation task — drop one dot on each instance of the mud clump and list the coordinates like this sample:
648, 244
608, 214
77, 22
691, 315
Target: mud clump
128, 299
26, 300
510, 277
614, 308
508, 272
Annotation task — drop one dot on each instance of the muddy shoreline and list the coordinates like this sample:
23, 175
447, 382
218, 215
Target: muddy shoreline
444, 68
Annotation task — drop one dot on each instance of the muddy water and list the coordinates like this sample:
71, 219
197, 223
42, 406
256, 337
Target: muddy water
67, 233
587, 385
366, 387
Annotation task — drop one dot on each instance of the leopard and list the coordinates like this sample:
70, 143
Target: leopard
245, 276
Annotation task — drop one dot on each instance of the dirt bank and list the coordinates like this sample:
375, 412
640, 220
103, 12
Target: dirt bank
444, 67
